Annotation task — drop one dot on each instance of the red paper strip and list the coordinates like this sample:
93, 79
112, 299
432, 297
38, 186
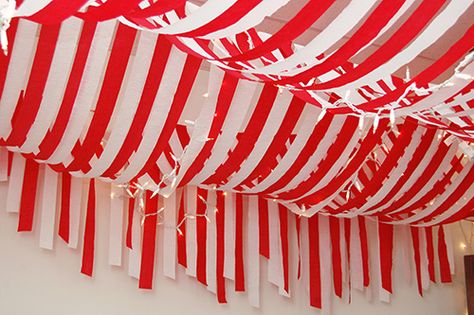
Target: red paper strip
220, 243
364, 250
239, 246
416, 255
386, 254
444, 269
182, 257
334, 228
283, 214
314, 263
28, 196
89, 233
264, 242
35, 86
63, 231
131, 208
147, 265
201, 236
430, 253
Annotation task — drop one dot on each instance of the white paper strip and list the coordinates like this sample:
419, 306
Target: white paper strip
275, 271
357, 273
116, 225
326, 266
211, 242
229, 236
15, 184
3, 164
75, 211
191, 195
384, 295
134, 254
169, 236
253, 256
304, 253
48, 208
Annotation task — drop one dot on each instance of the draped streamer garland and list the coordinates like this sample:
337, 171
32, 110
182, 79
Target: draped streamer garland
286, 140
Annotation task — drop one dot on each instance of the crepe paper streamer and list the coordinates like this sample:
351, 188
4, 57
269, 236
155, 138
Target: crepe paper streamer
15, 184
150, 218
169, 235
191, 242
253, 256
89, 232
75, 209
116, 223
48, 208
28, 196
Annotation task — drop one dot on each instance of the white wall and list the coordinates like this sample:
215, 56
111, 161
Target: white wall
37, 281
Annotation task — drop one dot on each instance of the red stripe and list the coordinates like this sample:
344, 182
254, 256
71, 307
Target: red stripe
264, 242
386, 254
201, 236
404, 34
314, 263
283, 214
334, 228
65, 207
182, 257
36, 83
5, 59
224, 100
147, 99
444, 269
303, 157
290, 31
230, 16
430, 253
370, 28
147, 265
28, 196
364, 250
246, 140
190, 71
347, 237
111, 84
109, 10
131, 208
57, 11
416, 255
239, 248
269, 161
89, 233
220, 218
51, 141
157, 8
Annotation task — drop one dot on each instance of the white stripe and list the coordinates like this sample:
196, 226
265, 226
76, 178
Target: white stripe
275, 271
15, 184
117, 196
326, 267
18, 72
241, 102
211, 242
127, 102
156, 120
3, 164
229, 236
357, 273
310, 114
75, 211
55, 85
272, 124
191, 243
169, 236
87, 93
134, 254
30, 7
253, 256
48, 208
